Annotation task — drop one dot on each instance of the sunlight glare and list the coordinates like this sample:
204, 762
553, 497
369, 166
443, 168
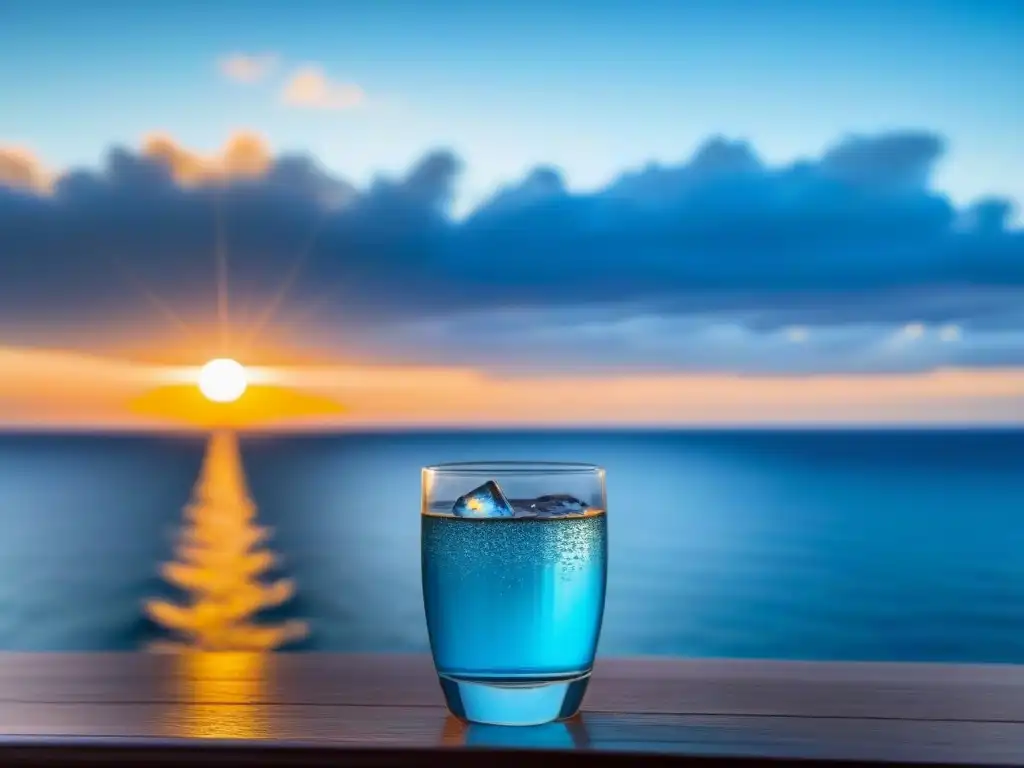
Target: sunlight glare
223, 380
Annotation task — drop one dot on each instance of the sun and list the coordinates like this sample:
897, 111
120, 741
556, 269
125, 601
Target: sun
223, 380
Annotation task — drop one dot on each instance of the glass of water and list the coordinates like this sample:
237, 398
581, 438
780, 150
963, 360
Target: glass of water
514, 568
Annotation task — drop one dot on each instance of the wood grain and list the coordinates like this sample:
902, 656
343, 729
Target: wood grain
971, 715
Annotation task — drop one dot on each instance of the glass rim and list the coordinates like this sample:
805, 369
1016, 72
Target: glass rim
514, 467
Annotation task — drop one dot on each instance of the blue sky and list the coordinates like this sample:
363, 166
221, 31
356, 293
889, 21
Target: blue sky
510, 84
774, 187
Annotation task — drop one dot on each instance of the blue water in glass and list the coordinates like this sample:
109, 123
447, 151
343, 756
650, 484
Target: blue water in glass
514, 600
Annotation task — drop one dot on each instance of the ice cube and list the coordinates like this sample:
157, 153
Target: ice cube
485, 501
557, 504
523, 507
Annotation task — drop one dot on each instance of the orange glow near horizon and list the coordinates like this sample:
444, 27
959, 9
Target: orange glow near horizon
259, 405
60, 390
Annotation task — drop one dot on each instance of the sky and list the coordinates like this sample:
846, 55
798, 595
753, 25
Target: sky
647, 199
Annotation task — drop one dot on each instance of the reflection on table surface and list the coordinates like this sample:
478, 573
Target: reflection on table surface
946, 714
565, 734
223, 696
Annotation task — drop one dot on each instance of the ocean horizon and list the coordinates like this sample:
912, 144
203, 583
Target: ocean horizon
897, 543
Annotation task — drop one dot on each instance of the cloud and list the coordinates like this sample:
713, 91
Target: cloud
244, 155
720, 263
950, 333
21, 169
912, 331
594, 341
797, 334
243, 68
310, 88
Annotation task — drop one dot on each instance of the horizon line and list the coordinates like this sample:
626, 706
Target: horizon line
357, 429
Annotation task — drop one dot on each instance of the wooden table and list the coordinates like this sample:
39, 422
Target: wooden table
969, 715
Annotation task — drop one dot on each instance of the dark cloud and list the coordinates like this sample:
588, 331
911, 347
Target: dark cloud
894, 161
857, 236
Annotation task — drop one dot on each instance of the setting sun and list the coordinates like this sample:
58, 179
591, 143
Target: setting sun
222, 380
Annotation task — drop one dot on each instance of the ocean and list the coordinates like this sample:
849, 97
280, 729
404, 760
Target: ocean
863, 545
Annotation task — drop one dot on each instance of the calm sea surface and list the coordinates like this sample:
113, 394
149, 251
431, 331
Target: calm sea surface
817, 545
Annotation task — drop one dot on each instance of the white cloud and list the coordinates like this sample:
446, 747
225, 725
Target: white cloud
797, 334
949, 333
243, 68
912, 331
310, 88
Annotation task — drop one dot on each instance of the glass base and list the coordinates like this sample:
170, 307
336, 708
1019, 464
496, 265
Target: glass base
533, 703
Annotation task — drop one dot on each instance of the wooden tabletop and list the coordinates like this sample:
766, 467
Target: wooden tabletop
970, 715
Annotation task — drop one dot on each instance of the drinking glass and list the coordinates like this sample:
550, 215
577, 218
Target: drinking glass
514, 558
